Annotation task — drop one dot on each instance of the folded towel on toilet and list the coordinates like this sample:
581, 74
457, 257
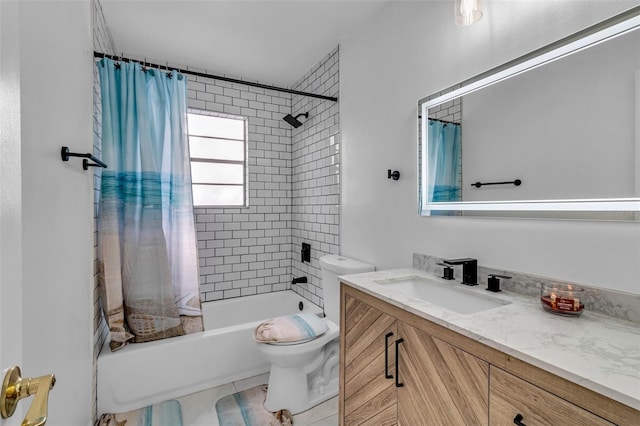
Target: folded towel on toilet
294, 328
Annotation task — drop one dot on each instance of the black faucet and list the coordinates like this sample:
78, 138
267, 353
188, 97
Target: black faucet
299, 280
469, 269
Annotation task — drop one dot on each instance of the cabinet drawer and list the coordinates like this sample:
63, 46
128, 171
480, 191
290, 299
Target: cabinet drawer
510, 396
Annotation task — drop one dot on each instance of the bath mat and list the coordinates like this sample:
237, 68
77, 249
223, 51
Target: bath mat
167, 413
246, 408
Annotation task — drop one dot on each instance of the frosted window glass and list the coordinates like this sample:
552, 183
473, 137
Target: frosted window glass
216, 173
216, 127
218, 195
220, 149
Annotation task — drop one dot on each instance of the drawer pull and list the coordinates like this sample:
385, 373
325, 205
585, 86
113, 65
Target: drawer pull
398, 384
518, 420
386, 356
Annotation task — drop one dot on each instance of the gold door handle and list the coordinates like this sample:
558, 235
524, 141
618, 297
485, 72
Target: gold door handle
15, 388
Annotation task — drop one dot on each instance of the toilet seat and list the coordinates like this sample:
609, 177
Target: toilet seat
298, 342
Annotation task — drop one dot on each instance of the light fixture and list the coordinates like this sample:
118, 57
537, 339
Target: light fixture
467, 12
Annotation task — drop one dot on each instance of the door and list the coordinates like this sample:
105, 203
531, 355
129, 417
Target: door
369, 365
442, 384
10, 198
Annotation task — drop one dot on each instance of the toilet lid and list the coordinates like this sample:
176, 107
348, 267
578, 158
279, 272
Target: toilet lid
290, 329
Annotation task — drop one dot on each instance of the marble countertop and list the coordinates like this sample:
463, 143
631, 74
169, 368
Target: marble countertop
595, 351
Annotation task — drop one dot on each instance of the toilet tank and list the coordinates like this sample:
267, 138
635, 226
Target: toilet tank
332, 266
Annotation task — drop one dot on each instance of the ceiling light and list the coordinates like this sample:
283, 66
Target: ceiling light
467, 12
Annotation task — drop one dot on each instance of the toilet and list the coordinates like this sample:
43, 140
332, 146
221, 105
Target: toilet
305, 374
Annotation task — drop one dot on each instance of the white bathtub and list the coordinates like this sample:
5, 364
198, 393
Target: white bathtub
147, 373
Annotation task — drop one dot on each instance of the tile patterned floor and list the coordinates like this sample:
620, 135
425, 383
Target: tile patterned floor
198, 409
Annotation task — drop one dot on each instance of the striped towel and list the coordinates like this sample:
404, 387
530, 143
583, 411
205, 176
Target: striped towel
290, 329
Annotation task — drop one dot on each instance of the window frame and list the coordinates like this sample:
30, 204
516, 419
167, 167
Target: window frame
244, 162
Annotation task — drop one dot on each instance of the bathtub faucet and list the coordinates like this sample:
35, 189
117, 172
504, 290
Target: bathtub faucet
299, 280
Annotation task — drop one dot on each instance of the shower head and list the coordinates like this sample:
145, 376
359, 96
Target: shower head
294, 120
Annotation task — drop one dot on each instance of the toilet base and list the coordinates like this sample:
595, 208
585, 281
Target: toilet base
299, 388
288, 393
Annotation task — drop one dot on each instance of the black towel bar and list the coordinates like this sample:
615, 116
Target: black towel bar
65, 154
516, 182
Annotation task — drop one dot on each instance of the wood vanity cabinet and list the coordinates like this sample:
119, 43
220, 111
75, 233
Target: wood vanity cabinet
442, 385
434, 382
444, 378
370, 397
511, 396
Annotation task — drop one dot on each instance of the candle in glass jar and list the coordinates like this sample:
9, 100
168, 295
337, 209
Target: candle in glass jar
562, 299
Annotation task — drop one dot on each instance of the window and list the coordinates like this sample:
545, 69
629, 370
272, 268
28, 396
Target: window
218, 145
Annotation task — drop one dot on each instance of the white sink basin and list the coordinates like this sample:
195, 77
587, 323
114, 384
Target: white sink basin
453, 297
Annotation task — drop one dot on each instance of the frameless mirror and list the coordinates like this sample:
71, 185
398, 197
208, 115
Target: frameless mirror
555, 133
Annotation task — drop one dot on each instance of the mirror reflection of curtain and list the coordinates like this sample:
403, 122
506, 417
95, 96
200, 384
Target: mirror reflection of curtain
443, 161
148, 271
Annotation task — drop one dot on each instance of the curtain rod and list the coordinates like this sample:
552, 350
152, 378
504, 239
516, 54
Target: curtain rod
437, 119
215, 77
443, 121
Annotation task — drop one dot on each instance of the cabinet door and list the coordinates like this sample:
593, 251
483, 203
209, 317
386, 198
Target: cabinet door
511, 396
369, 397
442, 384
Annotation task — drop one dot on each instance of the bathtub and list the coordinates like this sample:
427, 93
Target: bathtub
147, 373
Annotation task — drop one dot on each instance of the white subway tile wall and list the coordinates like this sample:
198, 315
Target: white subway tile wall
448, 111
316, 174
293, 189
245, 251
102, 42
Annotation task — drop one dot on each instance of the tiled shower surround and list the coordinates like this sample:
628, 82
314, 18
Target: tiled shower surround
293, 188
246, 251
316, 174
293, 184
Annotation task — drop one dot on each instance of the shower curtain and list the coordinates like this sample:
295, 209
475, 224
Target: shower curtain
443, 161
147, 255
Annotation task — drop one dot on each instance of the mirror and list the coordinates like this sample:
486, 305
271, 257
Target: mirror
555, 133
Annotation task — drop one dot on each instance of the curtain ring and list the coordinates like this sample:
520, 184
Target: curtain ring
118, 61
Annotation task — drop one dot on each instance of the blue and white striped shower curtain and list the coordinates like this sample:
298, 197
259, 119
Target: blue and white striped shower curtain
147, 252
443, 158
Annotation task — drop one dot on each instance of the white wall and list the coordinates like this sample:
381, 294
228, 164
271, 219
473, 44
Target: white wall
57, 202
413, 49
